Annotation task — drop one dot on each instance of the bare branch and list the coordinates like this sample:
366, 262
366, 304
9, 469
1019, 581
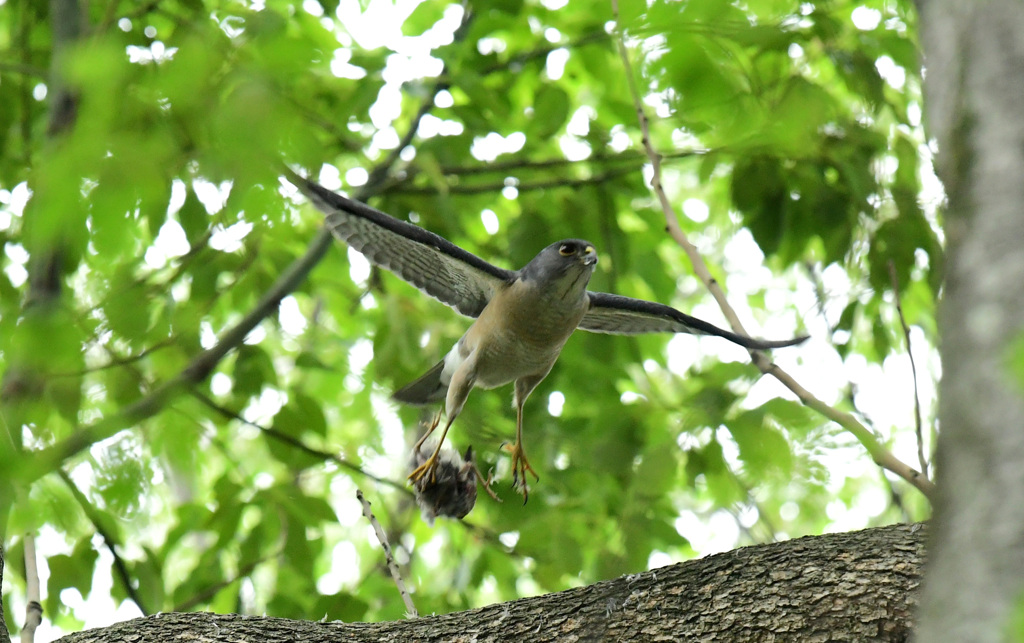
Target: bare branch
913, 370
410, 608
34, 609
298, 444
484, 188
119, 564
882, 456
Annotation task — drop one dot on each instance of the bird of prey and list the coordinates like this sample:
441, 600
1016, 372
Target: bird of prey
523, 317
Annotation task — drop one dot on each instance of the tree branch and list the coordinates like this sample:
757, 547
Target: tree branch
882, 456
396, 575
119, 565
33, 608
50, 458
913, 370
521, 187
298, 444
766, 592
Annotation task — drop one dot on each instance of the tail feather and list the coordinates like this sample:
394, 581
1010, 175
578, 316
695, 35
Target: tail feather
426, 389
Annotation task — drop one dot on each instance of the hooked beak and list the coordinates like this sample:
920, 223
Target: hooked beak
589, 256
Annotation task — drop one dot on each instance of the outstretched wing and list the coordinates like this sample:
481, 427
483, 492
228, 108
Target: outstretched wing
433, 264
618, 315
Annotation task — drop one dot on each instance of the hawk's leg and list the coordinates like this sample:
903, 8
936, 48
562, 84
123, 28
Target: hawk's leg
520, 465
458, 391
430, 465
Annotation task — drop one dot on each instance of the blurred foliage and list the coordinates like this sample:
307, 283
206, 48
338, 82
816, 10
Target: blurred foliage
163, 206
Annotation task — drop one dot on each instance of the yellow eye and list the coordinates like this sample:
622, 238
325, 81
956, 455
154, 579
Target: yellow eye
566, 250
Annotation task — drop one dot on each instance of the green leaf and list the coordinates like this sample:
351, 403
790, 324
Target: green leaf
550, 110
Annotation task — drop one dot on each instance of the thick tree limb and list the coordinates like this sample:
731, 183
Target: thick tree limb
858, 586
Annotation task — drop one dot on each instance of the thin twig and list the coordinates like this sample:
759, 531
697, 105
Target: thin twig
34, 609
913, 369
50, 458
881, 456
298, 444
410, 609
484, 188
119, 564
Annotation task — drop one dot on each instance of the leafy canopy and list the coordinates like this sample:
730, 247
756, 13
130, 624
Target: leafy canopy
792, 146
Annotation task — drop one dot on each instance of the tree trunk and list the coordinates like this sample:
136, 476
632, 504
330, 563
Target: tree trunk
5, 634
975, 89
859, 586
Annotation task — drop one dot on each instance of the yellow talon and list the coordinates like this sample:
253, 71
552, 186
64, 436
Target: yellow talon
520, 465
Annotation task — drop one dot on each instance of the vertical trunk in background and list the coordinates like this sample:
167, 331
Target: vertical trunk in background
4, 632
974, 62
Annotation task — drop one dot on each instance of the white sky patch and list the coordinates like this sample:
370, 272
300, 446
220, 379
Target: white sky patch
556, 402
630, 397
39, 92
15, 270
290, 317
387, 107
789, 511
696, 210
358, 267
893, 74
554, 5
220, 384
443, 99
552, 35
341, 67
579, 122
573, 148
157, 52
431, 126
682, 352
170, 242
914, 114
509, 192
357, 176
493, 145
330, 177
659, 559
490, 45
207, 338
490, 221
620, 140
392, 436
866, 18
554, 66
509, 538
19, 196
385, 139
359, 356
213, 197
313, 8
344, 571
795, 51
230, 239
255, 336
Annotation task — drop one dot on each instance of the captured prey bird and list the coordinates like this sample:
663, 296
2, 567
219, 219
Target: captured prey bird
451, 490
523, 317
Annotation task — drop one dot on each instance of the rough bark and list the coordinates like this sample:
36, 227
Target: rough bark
858, 586
5, 636
974, 56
